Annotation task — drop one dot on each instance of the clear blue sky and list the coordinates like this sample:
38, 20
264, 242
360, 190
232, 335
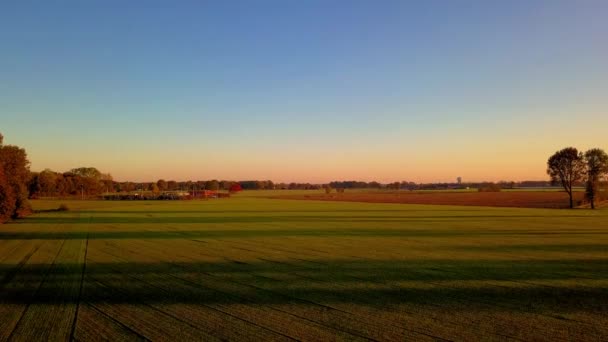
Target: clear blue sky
304, 90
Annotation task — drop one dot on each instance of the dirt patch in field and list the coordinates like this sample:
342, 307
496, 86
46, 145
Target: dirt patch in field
520, 199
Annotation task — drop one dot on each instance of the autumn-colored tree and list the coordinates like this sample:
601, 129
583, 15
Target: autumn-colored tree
15, 179
566, 167
128, 187
47, 180
597, 166
236, 187
7, 198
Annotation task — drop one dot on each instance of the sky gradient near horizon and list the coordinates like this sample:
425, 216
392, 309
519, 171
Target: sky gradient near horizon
309, 91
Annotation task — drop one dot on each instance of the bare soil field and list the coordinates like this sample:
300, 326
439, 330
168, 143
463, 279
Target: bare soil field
518, 199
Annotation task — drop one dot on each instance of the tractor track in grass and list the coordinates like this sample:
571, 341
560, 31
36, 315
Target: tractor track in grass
319, 304
44, 279
14, 271
279, 295
84, 269
246, 301
438, 285
112, 319
162, 289
305, 301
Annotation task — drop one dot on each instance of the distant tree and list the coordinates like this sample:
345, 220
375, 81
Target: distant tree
155, 188
106, 177
48, 182
61, 185
226, 185
506, 184
87, 172
408, 185
489, 187
374, 185
394, 185
107, 185
128, 186
260, 185
328, 189
269, 185
597, 167
200, 185
566, 167
212, 185
172, 185
33, 185
188, 185
162, 185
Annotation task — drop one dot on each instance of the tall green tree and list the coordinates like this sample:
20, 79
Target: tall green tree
566, 167
597, 167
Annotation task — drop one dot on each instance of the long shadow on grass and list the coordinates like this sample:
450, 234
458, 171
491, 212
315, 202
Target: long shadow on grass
295, 232
464, 285
65, 220
240, 211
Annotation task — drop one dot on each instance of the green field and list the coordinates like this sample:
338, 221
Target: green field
249, 268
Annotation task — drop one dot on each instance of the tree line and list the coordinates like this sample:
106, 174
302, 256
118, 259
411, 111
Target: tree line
569, 167
88, 181
83, 182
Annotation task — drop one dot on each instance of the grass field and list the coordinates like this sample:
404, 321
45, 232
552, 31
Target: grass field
249, 268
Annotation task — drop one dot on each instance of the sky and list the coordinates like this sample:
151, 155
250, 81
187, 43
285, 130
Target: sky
307, 91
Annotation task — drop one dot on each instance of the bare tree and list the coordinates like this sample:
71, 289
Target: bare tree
597, 166
566, 167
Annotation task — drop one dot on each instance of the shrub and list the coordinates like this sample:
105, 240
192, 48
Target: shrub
63, 207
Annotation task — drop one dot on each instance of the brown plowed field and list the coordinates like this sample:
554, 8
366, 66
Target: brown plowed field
521, 199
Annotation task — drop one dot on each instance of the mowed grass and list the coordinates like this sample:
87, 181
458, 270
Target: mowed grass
249, 268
